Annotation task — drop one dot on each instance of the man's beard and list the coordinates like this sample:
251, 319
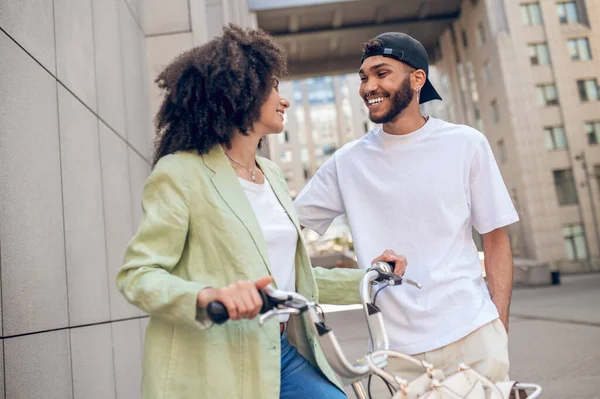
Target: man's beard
398, 103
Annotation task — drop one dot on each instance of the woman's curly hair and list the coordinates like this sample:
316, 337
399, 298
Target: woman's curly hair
214, 90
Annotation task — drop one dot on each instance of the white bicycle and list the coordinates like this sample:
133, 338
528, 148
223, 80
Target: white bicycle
466, 383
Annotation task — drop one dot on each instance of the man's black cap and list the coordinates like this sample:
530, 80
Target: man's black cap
404, 48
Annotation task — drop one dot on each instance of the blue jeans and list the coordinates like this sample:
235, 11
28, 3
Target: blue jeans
300, 379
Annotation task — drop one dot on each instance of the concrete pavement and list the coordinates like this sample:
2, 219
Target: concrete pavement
554, 337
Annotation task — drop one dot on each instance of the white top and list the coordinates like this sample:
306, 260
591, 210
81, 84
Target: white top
279, 232
418, 194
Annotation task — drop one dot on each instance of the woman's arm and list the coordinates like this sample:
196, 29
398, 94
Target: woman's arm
146, 278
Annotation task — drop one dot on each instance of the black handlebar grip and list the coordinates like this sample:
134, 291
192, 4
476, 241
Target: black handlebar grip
217, 312
266, 305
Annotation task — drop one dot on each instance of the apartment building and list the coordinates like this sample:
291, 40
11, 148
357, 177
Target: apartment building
325, 113
526, 74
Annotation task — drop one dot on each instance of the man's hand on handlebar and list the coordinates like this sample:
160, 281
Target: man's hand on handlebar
241, 299
399, 261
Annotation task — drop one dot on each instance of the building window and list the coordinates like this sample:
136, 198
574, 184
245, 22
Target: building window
531, 14
288, 175
286, 156
472, 83
487, 73
539, 54
588, 90
495, 111
555, 138
592, 130
547, 95
437, 51
597, 173
567, 12
501, 151
480, 35
580, 49
574, 239
478, 119
566, 190
283, 138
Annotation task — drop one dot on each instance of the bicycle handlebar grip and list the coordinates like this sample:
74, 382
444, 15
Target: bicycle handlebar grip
217, 312
266, 305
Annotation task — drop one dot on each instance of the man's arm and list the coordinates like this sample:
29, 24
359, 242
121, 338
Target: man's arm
320, 201
499, 270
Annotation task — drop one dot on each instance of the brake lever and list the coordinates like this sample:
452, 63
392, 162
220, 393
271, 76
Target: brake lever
411, 282
276, 312
276, 296
385, 270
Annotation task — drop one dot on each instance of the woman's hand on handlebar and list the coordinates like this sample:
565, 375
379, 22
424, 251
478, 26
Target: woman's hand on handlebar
241, 299
390, 256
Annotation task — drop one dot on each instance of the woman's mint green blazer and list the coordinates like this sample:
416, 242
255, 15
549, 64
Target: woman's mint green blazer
198, 230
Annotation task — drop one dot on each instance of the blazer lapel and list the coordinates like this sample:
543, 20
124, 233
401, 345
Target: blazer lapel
305, 283
281, 192
226, 182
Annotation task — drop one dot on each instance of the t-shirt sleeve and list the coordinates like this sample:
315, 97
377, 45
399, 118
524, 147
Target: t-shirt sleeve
320, 202
491, 205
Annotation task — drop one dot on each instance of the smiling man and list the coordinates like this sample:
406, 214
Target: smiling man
417, 186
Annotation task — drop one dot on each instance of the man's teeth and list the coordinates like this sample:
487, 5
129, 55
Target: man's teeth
376, 100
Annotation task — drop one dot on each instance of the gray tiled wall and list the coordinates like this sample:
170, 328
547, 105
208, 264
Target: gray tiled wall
75, 147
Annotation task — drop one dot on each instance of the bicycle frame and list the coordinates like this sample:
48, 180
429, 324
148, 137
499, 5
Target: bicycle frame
374, 362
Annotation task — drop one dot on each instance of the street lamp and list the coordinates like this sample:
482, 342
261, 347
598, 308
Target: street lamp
581, 158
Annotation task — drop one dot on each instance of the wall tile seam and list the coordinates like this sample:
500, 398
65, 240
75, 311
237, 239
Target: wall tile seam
100, 165
189, 10
3, 361
62, 201
74, 327
1, 306
170, 33
146, 159
125, 106
137, 22
114, 363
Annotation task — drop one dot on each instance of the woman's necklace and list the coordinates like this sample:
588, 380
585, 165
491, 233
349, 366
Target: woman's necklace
251, 171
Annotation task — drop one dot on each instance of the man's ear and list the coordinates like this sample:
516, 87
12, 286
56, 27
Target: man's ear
418, 79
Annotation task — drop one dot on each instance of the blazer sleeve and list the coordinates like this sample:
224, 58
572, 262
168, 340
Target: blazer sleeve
146, 278
338, 286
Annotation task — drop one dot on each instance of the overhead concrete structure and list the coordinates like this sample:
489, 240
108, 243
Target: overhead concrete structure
326, 37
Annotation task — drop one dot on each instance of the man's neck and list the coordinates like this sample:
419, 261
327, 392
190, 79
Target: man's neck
406, 122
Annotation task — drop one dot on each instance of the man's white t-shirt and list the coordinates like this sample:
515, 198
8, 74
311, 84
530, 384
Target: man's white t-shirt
280, 234
418, 194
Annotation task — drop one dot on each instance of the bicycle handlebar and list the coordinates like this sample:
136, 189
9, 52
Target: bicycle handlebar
273, 298
277, 302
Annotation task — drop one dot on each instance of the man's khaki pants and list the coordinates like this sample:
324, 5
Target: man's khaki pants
485, 350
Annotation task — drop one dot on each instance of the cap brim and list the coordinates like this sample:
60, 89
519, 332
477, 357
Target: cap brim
428, 93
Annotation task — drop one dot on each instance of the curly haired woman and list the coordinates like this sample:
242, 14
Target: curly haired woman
219, 224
